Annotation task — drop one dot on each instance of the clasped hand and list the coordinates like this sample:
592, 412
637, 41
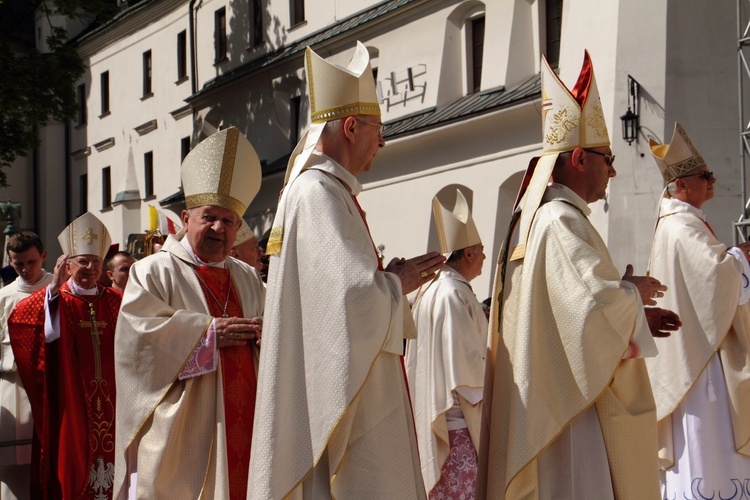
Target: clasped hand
232, 332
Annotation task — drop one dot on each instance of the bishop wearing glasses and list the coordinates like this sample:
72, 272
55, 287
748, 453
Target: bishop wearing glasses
63, 340
568, 409
701, 377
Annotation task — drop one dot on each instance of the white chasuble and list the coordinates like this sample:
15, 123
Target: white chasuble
330, 384
556, 368
701, 377
447, 354
175, 428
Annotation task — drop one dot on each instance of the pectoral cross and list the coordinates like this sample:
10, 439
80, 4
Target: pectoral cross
95, 333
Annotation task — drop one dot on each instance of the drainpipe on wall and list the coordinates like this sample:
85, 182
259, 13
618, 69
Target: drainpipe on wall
191, 29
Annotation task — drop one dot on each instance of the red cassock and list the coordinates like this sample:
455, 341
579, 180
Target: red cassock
240, 382
71, 387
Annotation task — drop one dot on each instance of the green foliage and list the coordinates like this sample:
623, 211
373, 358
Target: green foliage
35, 86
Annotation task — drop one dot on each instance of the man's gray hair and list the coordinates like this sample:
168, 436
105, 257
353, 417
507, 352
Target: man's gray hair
672, 188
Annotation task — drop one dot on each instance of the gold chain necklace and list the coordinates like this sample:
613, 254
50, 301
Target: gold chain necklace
226, 302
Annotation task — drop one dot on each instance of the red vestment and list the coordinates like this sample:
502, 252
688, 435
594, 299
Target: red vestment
71, 386
239, 381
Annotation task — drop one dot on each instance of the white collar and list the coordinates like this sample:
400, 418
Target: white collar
77, 290
186, 244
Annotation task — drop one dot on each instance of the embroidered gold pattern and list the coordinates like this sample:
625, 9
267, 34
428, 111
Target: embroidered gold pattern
89, 235
560, 127
220, 200
595, 120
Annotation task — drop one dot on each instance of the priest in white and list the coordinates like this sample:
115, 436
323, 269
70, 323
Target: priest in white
701, 377
568, 410
26, 254
186, 351
445, 363
333, 416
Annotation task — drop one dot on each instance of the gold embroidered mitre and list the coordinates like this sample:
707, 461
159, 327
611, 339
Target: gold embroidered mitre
455, 228
223, 170
337, 92
86, 235
677, 158
244, 233
570, 119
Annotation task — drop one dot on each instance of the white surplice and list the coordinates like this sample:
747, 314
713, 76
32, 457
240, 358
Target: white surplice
16, 425
331, 385
447, 356
701, 377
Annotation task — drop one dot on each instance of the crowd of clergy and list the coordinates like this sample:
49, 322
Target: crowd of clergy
214, 368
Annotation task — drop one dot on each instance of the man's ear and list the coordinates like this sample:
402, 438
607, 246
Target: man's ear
349, 125
576, 159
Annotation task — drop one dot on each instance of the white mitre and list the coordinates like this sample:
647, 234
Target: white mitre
335, 92
678, 158
570, 119
86, 235
223, 170
244, 233
455, 228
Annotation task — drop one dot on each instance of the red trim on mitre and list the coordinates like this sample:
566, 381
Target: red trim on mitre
580, 91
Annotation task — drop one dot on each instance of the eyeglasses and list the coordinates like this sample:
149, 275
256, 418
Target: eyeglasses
86, 263
705, 175
608, 159
380, 126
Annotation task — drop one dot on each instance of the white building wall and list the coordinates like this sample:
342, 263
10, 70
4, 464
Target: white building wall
683, 76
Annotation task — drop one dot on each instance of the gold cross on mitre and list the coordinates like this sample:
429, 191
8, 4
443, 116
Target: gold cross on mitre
89, 235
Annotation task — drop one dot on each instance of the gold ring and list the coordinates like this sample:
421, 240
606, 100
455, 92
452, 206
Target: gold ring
424, 274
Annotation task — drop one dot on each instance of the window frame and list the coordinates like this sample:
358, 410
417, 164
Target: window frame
181, 56
148, 174
148, 65
220, 35
106, 188
104, 93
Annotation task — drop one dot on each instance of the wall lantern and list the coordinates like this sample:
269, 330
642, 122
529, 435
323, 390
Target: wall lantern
630, 125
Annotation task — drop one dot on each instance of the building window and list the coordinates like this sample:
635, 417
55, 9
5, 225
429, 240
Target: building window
475, 40
148, 173
83, 199
147, 89
256, 18
106, 188
181, 55
220, 35
104, 83
294, 107
553, 18
297, 12
82, 104
184, 148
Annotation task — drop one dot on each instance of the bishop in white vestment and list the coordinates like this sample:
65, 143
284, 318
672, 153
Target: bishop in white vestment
333, 417
445, 363
568, 410
701, 377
